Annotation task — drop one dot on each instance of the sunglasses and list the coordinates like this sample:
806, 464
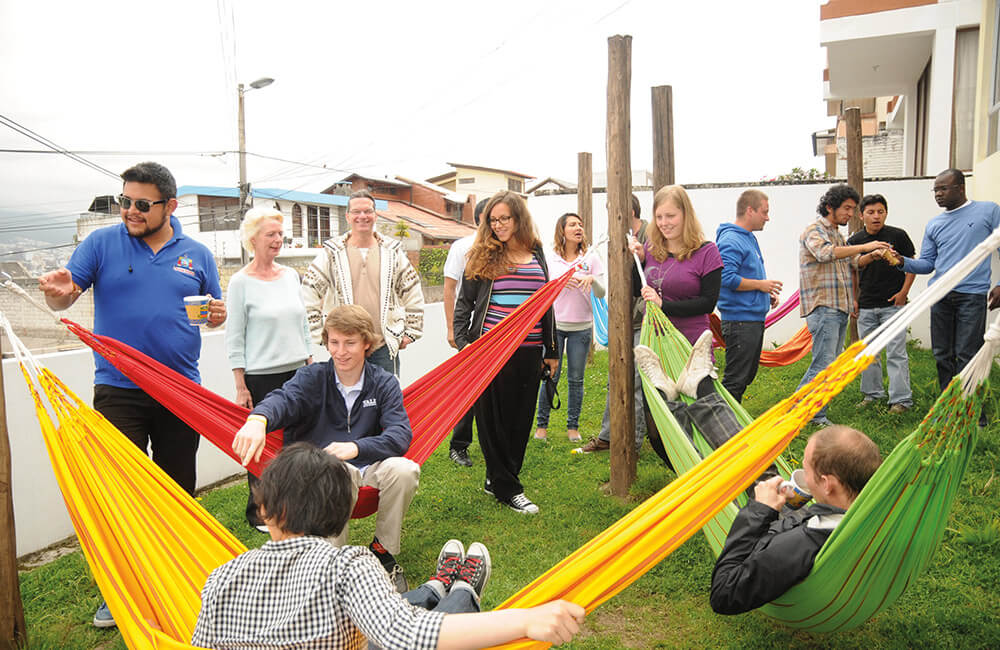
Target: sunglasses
142, 205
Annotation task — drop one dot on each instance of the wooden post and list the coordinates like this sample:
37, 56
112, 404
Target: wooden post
621, 364
855, 160
585, 192
663, 136
13, 632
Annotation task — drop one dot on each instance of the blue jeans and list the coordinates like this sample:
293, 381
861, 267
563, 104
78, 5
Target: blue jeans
896, 360
639, 403
380, 357
577, 346
828, 327
958, 322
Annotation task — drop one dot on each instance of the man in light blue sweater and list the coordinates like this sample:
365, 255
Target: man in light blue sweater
746, 293
958, 321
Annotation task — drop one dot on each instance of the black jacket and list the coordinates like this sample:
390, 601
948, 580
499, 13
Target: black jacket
765, 556
473, 301
310, 408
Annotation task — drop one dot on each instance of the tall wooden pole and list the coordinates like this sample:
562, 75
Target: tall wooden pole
663, 136
585, 192
855, 160
856, 179
621, 365
13, 632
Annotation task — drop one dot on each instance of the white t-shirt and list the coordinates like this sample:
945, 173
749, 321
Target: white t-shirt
454, 265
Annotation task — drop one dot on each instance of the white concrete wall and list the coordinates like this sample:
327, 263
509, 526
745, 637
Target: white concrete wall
39, 512
792, 208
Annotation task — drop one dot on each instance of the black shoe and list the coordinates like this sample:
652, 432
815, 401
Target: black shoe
460, 457
520, 503
488, 488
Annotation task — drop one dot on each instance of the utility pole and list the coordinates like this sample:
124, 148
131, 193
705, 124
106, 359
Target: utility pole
621, 363
663, 136
13, 632
241, 125
585, 192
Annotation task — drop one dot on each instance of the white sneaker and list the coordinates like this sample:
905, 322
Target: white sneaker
649, 364
699, 365
522, 504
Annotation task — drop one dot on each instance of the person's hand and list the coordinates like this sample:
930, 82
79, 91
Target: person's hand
876, 245
649, 295
898, 299
855, 309
769, 493
403, 342
243, 397
635, 246
774, 300
771, 287
342, 450
451, 337
57, 284
309, 360
553, 366
216, 312
554, 622
583, 282
995, 297
249, 441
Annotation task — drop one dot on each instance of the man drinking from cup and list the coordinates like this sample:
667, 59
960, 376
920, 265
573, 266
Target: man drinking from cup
767, 554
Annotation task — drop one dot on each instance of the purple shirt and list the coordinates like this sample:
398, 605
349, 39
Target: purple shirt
675, 280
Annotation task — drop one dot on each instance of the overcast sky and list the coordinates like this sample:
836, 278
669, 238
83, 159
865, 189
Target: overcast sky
392, 88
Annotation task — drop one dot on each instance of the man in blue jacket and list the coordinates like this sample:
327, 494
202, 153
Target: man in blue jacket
746, 293
353, 409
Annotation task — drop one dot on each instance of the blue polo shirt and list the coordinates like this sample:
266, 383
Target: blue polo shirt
139, 295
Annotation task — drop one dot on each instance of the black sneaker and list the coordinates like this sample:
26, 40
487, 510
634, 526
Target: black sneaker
477, 567
488, 488
449, 562
460, 457
398, 579
522, 504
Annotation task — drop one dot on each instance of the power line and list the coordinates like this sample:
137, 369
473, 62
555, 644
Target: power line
25, 131
43, 248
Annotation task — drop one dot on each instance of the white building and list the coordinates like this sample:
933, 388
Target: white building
926, 52
484, 182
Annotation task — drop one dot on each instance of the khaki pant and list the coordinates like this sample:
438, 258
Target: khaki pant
396, 480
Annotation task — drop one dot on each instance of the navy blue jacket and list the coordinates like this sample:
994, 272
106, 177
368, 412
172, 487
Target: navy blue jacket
310, 408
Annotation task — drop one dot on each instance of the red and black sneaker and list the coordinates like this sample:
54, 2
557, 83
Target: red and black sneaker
449, 563
477, 567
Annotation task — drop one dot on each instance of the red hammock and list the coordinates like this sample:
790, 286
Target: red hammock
785, 354
434, 403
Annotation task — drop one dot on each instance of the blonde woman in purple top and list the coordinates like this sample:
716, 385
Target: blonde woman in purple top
683, 270
574, 317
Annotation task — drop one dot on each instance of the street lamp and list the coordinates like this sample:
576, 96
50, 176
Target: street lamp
244, 188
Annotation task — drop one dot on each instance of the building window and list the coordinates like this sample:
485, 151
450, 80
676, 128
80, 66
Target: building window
454, 209
515, 185
920, 137
466, 181
218, 213
318, 218
993, 117
296, 220
964, 98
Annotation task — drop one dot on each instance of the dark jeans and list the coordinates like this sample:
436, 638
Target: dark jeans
577, 347
504, 414
958, 323
744, 341
259, 386
147, 423
380, 357
461, 437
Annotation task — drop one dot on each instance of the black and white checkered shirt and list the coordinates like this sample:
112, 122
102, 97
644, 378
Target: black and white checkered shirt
304, 593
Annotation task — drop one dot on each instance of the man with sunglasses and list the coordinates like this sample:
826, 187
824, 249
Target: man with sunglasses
958, 321
141, 270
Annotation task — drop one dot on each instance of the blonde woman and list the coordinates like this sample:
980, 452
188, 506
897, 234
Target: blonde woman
267, 337
505, 266
683, 270
574, 317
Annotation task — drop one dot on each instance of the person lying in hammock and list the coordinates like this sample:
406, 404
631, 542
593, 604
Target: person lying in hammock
765, 554
709, 412
353, 409
299, 591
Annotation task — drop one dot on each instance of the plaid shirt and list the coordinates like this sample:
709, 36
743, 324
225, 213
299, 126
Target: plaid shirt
304, 593
824, 281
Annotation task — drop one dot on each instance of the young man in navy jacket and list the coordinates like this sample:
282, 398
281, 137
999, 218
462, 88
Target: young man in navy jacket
353, 409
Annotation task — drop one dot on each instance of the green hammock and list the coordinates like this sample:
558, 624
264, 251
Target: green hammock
674, 349
894, 526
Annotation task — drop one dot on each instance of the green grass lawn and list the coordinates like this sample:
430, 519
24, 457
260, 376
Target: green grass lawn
953, 604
